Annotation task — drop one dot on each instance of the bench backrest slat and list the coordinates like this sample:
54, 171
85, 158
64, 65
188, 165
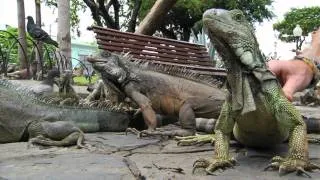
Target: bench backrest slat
107, 40
145, 55
157, 50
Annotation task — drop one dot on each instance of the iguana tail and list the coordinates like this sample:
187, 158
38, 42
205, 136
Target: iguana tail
313, 124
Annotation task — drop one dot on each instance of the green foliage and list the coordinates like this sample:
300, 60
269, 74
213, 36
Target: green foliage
82, 81
9, 46
188, 13
75, 7
307, 18
255, 10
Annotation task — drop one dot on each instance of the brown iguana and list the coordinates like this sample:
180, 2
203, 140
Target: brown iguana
256, 110
155, 93
161, 93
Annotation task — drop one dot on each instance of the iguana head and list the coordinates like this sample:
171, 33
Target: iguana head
113, 69
231, 33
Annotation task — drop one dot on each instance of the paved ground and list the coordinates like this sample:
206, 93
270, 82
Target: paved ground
120, 156
151, 157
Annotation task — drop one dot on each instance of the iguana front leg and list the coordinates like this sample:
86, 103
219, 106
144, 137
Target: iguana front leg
223, 132
188, 111
145, 105
297, 159
57, 133
187, 120
75, 138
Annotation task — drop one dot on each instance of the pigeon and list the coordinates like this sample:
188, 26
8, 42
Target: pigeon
39, 34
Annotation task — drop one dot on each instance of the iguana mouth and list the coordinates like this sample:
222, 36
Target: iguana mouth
208, 20
113, 83
221, 45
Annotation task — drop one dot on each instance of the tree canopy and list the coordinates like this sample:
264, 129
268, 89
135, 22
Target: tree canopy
187, 14
179, 20
76, 5
307, 18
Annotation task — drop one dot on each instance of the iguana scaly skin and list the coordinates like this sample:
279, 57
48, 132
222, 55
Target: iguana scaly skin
256, 110
161, 93
24, 116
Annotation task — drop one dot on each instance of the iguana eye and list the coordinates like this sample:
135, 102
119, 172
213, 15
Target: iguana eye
238, 17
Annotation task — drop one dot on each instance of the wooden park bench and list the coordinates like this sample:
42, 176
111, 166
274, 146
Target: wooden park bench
158, 50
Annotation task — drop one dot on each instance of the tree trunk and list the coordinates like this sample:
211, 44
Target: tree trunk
158, 11
22, 36
116, 8
64, 37
185, 34
94, 11
39, 50
134, 14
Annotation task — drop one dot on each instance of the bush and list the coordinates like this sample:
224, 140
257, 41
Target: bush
82, 81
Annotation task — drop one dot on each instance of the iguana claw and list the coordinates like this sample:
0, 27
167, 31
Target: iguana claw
195, 140
217, 164
159, 132
287, 165
300, 171
134, 131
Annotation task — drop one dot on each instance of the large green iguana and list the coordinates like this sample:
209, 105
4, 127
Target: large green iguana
256, 110
24, 116
161, 93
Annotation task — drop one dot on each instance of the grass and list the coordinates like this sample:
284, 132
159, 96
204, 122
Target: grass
82, 81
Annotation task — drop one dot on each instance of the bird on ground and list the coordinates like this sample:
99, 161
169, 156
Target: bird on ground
39, 34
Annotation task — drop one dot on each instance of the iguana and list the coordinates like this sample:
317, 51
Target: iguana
24, 116
256, 110
46, 86
156, 92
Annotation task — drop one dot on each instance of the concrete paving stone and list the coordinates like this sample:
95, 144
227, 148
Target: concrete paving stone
250, 166
65, 167
120, 141
18, 162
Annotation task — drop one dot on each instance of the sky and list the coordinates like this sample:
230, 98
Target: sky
264, 31
266, 36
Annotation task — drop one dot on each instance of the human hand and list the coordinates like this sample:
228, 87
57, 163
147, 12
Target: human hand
294, 75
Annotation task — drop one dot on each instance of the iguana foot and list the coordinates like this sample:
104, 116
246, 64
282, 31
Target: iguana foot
193, 140
170, 133
160, 132
216, 164
134, 131
288, 165
75, 138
